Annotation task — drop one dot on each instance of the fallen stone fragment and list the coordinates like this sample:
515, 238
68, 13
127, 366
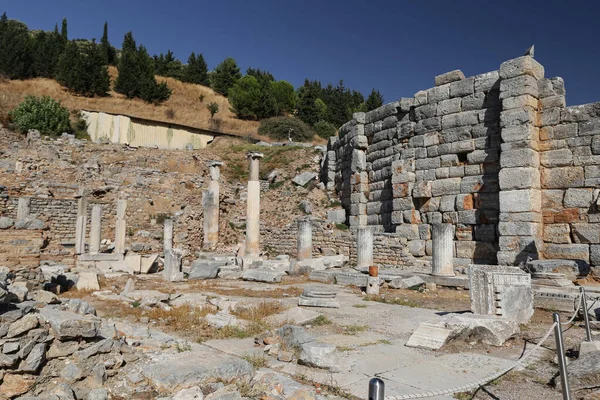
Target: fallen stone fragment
78, 306
294, 315
202, 269
62, 349
222, 319
586, 347
103, 346
411, 282
320, 355
43, 296
35, 359
429, 336
303, 178
68, 325
23, 325
262, 275
225, 393
88, 281
585, 371
294, 336
15, 385
8, 360
318, 302
569, 268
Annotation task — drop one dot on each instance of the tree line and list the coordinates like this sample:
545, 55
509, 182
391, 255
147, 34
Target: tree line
82, 67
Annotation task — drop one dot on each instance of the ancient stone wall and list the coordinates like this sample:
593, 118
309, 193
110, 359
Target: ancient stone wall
389, 249
498, 155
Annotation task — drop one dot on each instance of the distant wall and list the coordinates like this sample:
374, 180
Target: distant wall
498, 155
141, 133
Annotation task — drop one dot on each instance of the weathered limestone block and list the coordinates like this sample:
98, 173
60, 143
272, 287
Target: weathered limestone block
522, 101
578, 197
519, 229
449, 106
422, 189
525, 65
460, 119
520, 132
567, 251
518, 116
520, 200
445, 187
408, 231
463, 87
554, 101
449, 77
556, 158
486, 82
562, 178
519, 158
518, 86
586, 233
519, 178
557, 233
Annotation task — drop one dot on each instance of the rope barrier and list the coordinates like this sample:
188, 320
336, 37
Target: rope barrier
489, 378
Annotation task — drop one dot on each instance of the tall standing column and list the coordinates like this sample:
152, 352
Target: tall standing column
81, 224
210, 204
168, 235
442, 262
364, 248
253, 210
24, 207
304, 239
120, 227
96, 229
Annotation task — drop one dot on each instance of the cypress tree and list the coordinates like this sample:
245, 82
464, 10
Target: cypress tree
63, 31
106, 49
308, 110
129, 71
196, 70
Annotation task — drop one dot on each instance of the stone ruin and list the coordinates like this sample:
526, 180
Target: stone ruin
498, 155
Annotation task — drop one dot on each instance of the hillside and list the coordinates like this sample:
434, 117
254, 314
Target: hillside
185, 106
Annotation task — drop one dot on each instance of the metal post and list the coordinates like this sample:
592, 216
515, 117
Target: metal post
562, 362
376, 389
586, 317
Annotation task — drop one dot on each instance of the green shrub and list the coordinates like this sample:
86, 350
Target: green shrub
42, 113
279, 127
325, 129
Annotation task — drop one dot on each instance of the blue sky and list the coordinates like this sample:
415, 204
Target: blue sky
395, 46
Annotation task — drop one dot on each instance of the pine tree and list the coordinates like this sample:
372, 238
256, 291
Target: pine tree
63, 31
225, 76
285, 96
129, 71
308, 110
68, 74
196, 70
375, 100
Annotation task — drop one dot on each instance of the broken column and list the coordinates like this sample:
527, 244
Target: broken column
96, 229
24, 207
210, 204
442, 250
304, 239
168, 235
253, 210
81, 224
364, 248
373, 280
120, 227
173, 271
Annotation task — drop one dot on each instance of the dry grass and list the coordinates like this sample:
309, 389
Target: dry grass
184, 105
257, 313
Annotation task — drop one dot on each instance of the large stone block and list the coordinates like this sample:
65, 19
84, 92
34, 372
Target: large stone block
445, 187
408, 231
525, 65
556, 158
486, 82
525, 200
578, 252
520, 102
475, 101
578, 198
438, 93
557, 233
475, 250
562, 178
520, 229
501, 291
449, 106
519, 178
518, 86
518, 116
586, 233
461, 88
519, 158
449, 77
518, 133
465, 118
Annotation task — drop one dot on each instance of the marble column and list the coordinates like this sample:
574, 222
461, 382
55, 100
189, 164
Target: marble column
364, 248
210, 204
81, 225
173, 271
120, 227
96, 229
253, 210
24, 207
304, 239
442, 248
168, 235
